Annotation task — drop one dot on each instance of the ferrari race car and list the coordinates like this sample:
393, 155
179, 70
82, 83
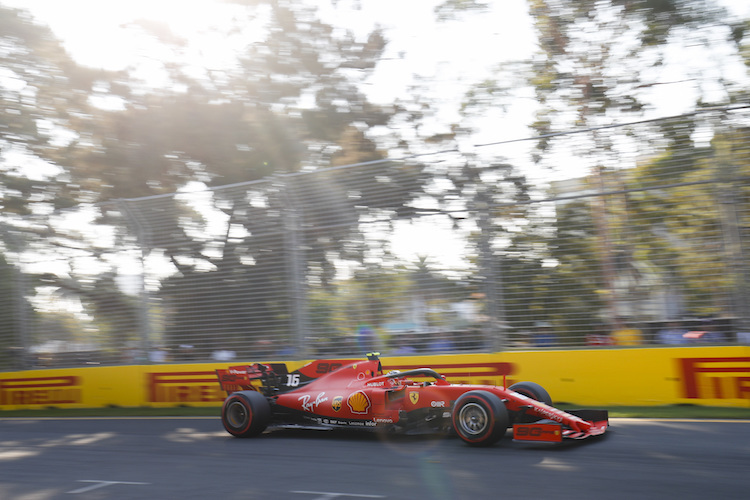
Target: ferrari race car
329, 394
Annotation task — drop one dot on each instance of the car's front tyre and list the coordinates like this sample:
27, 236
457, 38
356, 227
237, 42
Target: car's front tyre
245, 414
480, 418
533, 391
530, 390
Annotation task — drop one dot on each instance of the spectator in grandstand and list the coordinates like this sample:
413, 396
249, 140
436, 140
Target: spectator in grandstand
18, 358
599, 337
366, 339
285, 349
520, 339
706, 333
713, 334
743, 338
263, 348
473, 339
442, 342
672, 334
185, 353
158, 355
347, 345
403, 345
626, 334
223, 355
544, 335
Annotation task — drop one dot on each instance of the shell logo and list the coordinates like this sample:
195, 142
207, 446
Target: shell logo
336, 403
358, 402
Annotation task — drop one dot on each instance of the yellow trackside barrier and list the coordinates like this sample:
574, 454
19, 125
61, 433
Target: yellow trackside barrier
711, 376
708, 376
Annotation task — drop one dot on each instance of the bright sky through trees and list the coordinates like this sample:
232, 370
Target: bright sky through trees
420, 49
444, 58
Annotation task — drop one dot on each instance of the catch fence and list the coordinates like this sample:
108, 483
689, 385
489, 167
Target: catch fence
626, 235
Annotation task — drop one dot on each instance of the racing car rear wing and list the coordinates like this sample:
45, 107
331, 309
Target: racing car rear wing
240, 378
272, 378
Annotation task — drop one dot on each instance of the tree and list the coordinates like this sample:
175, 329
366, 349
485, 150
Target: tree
44, 95
10, 327
689, 204
291, 102
600, 62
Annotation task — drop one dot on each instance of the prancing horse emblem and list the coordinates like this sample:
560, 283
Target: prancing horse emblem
414, 397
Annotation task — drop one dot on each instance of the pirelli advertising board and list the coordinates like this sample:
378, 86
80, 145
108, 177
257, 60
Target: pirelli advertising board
711, 376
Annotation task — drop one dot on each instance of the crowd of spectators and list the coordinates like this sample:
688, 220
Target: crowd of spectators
541, 335
705, 331
625, 333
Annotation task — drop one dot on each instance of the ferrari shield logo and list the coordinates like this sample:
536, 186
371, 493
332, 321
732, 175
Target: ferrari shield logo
414, 397
336, 403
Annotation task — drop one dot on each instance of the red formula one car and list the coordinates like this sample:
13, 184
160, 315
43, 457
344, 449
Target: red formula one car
328, 394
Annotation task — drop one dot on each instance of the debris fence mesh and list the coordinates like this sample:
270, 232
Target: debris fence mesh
627, 235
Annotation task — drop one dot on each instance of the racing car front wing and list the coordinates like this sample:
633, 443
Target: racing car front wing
573, 424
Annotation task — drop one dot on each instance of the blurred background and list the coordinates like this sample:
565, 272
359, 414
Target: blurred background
188, 182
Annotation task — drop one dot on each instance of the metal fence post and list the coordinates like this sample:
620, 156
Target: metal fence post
295, 261
19, 340
145, 302
490, 274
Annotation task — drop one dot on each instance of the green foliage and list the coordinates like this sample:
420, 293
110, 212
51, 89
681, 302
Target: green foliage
9, 343
293, 103
694, 219
243, 127
594, 55
43, 93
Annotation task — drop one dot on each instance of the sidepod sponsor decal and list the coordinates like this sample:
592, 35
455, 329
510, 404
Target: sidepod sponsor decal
358, 402
336, 403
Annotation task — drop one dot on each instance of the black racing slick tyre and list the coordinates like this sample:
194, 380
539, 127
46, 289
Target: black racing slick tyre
480, 418
530, 390
533, 391
245, 414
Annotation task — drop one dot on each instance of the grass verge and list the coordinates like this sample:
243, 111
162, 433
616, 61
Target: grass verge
181, 411
675, 411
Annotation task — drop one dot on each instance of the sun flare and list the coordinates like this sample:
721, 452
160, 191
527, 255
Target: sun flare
143, 35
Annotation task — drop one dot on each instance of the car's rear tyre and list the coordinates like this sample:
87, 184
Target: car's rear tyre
530, 390
245, 414
480, 418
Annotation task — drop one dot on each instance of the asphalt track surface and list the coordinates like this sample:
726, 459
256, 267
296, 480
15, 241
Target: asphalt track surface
193, 458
